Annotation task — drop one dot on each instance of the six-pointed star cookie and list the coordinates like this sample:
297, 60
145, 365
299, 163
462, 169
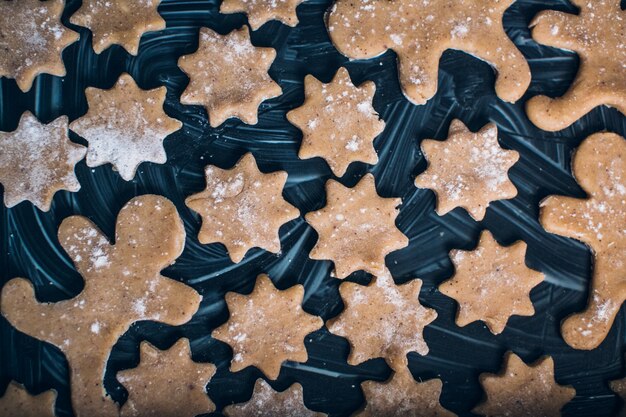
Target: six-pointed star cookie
267, 327
600, 222
17, 402
419, 33
120, 22
356, 228
598, 35
242, 208
228, 76
37, 160
338, 121
467, 170
491, 283
167, 383
262, 11
125, 126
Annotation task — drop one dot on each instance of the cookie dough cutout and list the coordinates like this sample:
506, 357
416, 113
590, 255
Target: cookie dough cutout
596, 34
228, 76
37, 160
491, 283
267, 327
599, 221
338, 122
242, 208
125, 126
167, 383
123, 285
468, 169
419, 33
262, 11
118, 22
266, 402
356, 228
16, 401
522, 390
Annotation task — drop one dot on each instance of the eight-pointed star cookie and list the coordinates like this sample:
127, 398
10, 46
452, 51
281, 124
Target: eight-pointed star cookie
267, 327
338, 121
123, 285
491, 283
598, 35
167, 383
419, 33
118, 22
242, 208
228, 76
32, 39
37, 160
521, 390
262, 11
600, 222
125, 126
17, 402
356, 228
467, 170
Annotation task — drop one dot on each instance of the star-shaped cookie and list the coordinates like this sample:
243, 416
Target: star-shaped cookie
261, 11
242, 208
125, 126
228, 76
419, 33
356, 228
17, 402
619, 387
37, 160
597, 35
467, 170
338, 121
267, 327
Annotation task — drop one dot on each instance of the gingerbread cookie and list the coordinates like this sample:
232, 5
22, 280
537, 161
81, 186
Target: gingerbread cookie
118, 22
267, 327
356, 228
123, 285
619, 387
167, 383
17, 402
600, 222
597, 35
521, 390
338, 122
491, 283
419, 33
32, 39
228, 76
262, 11
242, 208
37, 160
467, 170
125, 126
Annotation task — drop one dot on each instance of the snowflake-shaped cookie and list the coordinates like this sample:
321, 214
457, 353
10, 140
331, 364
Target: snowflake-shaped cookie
125, 126
338, 122
228, 76
419, 33
262, 11
17, 402
467, 170
598, 35
600, 222
37, 160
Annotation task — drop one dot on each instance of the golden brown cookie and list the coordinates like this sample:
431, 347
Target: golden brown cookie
419, 33
17, 402
338, 122
597, 35
600, 222
118, 22
228, 76
267, 327
467, 170
242, 208
520, 390
37, 160
619, 387
125, 126
262, 11
167, 383
491, 283
32, 39
356, 228
123, 285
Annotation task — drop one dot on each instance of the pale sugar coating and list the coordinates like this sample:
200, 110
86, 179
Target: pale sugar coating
17, 402
262, 11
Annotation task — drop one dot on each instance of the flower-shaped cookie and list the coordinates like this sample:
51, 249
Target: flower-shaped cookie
17, 402
262, 11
